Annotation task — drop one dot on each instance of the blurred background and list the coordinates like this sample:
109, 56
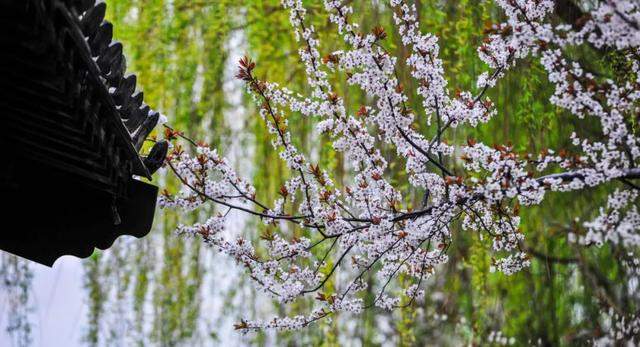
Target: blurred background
170, 291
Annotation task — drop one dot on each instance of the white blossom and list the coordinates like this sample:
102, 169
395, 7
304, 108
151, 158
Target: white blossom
364, 225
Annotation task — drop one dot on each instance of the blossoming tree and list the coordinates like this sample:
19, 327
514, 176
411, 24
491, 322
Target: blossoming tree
371, 227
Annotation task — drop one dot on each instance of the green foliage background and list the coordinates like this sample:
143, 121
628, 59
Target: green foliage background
180, 51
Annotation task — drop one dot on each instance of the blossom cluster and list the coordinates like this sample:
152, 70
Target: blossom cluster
621, 330
369, 227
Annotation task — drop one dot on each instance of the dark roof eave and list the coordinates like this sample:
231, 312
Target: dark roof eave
122, 134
